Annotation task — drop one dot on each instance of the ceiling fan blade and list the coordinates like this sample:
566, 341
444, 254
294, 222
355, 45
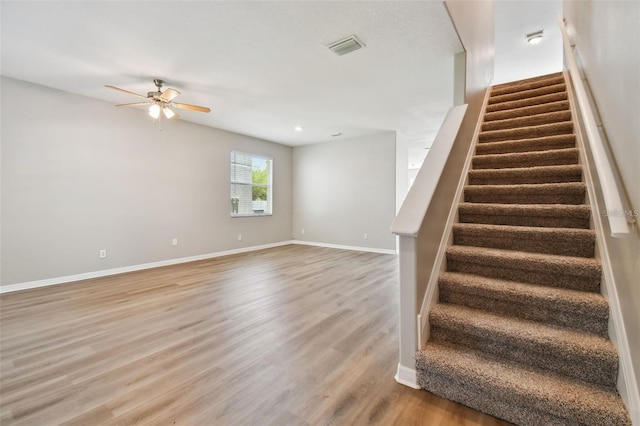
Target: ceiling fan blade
125, 91
134, 104
191, 107
169, 94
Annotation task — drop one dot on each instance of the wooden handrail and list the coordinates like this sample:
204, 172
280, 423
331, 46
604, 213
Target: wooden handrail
612, 201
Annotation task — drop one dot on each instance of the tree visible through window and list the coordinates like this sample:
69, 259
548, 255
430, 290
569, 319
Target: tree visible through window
250, 184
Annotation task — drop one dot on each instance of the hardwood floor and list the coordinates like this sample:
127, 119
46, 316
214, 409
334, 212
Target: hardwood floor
294, 335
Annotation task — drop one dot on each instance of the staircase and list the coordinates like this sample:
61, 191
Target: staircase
520, 330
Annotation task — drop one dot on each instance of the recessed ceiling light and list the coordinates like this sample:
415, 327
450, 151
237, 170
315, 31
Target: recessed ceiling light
535, 38
298, 128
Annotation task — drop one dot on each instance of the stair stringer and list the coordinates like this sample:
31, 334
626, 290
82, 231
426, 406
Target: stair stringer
627, 384
440, 263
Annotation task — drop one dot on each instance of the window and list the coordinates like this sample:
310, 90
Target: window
250, 184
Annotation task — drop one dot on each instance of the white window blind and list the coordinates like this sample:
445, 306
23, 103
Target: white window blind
251, 192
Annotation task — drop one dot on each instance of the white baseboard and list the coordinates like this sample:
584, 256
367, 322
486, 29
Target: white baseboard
114, 271
342, 247
626, 383
407, 376
97, 274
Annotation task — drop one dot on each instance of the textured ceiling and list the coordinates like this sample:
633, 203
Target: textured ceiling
516, 59
262, 66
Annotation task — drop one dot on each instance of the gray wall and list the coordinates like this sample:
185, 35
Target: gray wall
607, 37
79, 175
345, 188
402, 170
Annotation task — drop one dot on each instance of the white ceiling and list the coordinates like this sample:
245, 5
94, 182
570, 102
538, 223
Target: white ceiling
262, 66
515, 58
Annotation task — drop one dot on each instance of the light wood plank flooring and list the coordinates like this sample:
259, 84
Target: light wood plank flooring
294, 335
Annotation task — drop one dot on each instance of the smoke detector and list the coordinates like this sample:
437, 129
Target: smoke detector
346, 45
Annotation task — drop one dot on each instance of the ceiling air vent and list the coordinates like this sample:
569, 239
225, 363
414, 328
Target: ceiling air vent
346, 45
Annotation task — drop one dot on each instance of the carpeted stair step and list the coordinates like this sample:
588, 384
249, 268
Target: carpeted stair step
529, 83
520, 394
579, 310
544, 193
527, 94
530, 120
574, 273
552, 157
558, 241
537, 100
560, 128
582, 356
526, 111
521, 175
544, 143
547, 215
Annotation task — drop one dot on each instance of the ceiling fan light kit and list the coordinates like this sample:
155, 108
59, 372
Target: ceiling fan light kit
160, 101
168, 112
154, 111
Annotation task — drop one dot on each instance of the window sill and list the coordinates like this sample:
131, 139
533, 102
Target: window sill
251, 215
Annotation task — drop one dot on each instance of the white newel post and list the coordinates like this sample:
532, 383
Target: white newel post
406, 374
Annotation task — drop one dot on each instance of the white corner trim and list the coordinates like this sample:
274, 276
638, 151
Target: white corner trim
97, 274
407, 376
419, 328
343, 247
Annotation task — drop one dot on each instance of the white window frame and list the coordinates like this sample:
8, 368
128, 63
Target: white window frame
238, 207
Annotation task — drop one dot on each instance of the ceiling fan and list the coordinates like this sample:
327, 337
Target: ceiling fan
160, 101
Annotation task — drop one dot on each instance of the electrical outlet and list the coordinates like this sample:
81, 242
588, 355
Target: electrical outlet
302, 232
239, 237
103, 254
174, 242
366, 236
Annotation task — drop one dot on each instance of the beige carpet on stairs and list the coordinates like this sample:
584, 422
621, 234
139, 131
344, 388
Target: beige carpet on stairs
520, 329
